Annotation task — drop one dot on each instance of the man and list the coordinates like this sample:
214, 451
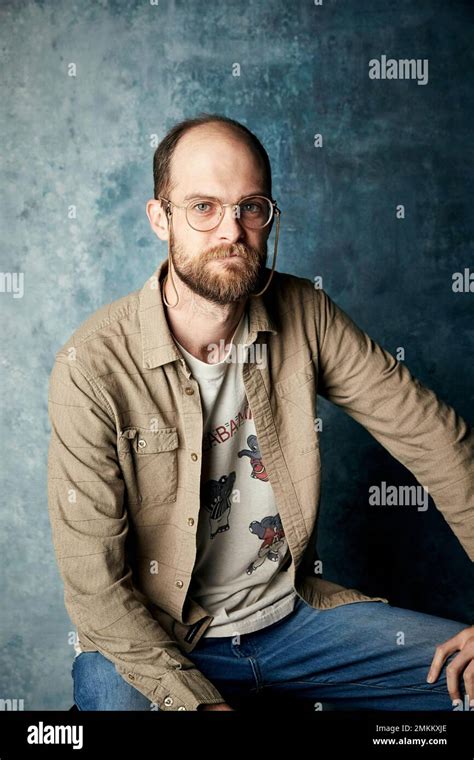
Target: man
184, 469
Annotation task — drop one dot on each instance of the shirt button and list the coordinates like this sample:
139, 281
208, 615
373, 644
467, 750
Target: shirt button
142, 443
131, 676
194, 457
168, 701
189, 391
179, 584
182, 707
190, 520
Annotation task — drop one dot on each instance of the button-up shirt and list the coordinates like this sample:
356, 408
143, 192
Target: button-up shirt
124, 465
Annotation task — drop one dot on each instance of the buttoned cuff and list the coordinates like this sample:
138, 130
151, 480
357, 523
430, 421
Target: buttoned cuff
185, 690
177, 689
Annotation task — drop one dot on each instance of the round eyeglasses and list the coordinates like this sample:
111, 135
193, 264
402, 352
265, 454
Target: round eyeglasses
205, 214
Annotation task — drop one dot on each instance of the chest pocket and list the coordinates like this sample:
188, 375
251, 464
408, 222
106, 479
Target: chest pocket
290, 387
297, 401
151, 456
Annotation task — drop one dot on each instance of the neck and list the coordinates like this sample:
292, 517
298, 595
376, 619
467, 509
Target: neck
200, 325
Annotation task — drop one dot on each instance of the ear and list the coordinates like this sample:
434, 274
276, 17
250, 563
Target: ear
158, 219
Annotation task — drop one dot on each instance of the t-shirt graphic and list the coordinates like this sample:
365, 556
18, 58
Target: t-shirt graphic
253, 452
270, 531
215, 494
215, 497
239, 575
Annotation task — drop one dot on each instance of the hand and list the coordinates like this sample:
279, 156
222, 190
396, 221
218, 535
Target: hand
218, 706
463, 663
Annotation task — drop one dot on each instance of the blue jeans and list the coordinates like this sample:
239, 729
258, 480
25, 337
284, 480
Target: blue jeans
358, 656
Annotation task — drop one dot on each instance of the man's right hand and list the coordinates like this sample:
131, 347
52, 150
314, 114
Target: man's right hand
218, 706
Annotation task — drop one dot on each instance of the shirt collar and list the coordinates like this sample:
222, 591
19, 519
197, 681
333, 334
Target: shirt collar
157, 342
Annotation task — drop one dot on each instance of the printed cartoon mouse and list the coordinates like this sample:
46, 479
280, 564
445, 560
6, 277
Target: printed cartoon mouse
270, 530
258, 468
215, 497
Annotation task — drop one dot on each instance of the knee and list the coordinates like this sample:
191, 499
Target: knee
98, 686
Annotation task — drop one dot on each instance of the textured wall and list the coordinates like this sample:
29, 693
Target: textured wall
86, 141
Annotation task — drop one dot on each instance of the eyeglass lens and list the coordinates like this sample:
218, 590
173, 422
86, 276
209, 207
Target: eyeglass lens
205, 213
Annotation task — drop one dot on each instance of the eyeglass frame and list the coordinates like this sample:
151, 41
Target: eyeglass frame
275, 211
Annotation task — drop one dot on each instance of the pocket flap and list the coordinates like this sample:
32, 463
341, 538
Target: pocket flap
296, 380
152, 441
146, 441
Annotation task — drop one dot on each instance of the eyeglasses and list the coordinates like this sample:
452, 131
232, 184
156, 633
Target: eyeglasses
204, 214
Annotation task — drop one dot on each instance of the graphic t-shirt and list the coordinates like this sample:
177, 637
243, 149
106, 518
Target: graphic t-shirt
241, 547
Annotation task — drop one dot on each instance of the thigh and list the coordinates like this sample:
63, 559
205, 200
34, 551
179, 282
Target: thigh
363, 655
229, 666
98, 686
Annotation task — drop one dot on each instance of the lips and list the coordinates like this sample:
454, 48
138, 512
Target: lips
230, 256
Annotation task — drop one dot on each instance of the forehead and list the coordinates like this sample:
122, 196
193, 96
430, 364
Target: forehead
214, 161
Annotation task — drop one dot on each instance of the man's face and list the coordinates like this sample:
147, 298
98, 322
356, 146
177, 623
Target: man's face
227, 263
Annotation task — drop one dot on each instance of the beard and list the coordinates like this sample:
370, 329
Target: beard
218, 277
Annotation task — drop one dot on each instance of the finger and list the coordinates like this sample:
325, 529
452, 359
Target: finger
469, 684
453, 673
442, 652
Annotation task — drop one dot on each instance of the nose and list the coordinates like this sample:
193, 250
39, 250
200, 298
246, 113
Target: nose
230, 228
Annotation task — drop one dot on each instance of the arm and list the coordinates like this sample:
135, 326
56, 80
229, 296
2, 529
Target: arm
407, 418
89, 529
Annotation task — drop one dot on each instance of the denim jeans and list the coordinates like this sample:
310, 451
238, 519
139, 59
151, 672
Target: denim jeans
358, 656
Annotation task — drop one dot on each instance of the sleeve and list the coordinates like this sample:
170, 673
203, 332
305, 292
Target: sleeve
89, 529
421, 431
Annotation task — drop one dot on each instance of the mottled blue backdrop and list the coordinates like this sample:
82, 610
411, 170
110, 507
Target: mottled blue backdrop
86, 141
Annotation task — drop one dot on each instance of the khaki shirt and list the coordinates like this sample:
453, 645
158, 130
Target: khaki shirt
124, 465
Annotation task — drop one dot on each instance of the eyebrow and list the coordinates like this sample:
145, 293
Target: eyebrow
215, 198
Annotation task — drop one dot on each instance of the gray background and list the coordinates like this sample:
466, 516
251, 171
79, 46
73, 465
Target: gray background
86, 141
